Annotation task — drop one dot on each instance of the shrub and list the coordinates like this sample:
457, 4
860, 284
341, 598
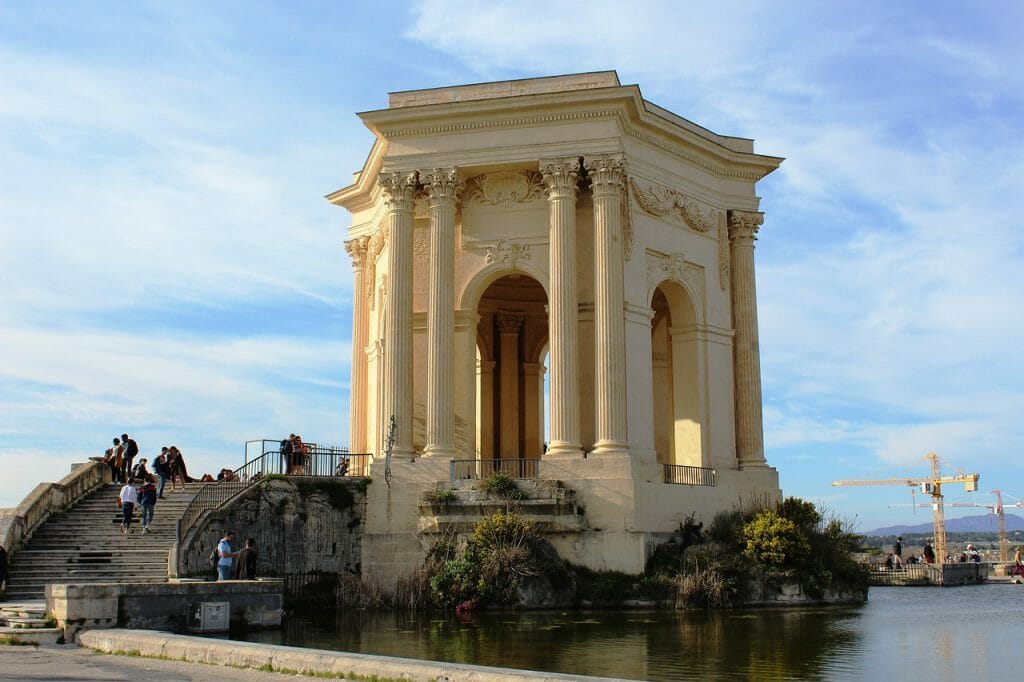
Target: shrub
501, 484
775, 541
441, 496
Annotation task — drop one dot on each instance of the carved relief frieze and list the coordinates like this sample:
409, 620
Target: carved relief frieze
504, 188
665, 202
420, 258
373, 251
508, 253
627, 226
724, 267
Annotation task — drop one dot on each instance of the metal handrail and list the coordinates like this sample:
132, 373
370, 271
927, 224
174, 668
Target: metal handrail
476, 469
686, 475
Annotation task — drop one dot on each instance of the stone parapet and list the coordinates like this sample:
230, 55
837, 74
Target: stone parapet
17, 525
313, 662
163, 606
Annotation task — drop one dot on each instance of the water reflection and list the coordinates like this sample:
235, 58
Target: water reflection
918, 633
637, 645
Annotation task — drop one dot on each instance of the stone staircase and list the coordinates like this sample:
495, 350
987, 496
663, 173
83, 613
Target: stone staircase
26, 622
84, 544
548, 504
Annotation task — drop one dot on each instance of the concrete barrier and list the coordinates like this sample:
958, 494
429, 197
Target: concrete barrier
298, 660
160, 606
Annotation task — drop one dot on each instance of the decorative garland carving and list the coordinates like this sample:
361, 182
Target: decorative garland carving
507, 253
374, 249
504, 188
724, 266
627, 225
663, 201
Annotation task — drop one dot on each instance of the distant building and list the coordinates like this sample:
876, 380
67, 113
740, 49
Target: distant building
561, 227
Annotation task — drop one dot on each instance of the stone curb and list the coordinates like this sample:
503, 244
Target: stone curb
295, 659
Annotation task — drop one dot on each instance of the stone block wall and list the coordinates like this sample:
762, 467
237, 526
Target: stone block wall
301, 525
160, 606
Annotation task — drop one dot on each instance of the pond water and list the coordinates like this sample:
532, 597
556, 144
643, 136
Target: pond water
920, 633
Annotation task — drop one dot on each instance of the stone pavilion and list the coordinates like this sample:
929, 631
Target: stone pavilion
554, 277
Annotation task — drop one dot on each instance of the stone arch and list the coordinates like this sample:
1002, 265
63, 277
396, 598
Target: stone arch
678, 372
512, 331
475, 286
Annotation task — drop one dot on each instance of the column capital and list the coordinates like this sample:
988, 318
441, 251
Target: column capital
560, 176
744, 224
443, 186
357, 249
509, 322
607, 173
399, 189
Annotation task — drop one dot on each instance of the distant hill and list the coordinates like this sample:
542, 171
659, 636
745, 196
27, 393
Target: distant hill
965, 524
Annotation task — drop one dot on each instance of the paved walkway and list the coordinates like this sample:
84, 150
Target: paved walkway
74, 664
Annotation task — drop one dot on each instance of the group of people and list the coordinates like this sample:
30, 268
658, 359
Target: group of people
232, 565
895, 558
293, 454
144, 497
119, 458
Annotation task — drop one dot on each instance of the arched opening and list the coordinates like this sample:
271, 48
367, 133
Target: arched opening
512, 335
676, 372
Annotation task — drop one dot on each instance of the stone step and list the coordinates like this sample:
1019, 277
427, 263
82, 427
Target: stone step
24, 622
34, 635
23, 610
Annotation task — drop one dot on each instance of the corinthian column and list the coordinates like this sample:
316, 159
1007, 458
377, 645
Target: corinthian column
560, 181
509, 324
607, 174
443, 187
743, 227
356, 249
396, 391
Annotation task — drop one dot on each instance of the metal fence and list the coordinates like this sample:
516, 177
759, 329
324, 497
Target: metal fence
470, 469
686, 475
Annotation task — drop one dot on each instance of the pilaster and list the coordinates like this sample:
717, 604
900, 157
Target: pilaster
357, 249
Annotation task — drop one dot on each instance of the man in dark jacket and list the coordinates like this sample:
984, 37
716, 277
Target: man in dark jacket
131, 448
245, 567
147, 503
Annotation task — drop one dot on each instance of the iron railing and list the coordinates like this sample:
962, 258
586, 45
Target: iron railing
686, 475
318, 461
475, 469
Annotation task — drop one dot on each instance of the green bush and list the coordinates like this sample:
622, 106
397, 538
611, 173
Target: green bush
775, 541
501, 484
441, 496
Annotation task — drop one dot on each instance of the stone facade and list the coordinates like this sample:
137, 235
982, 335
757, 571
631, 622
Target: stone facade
300, 526
560, 229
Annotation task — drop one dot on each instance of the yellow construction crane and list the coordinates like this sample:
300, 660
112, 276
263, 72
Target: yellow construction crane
998, 510
930, 485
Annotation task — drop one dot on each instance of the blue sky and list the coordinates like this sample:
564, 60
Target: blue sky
171, 268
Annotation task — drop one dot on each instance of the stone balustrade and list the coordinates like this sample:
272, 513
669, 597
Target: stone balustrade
17, 525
